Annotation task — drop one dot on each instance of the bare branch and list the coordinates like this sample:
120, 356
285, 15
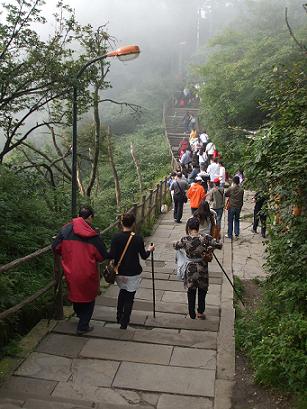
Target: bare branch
113, 167
137, 166
57, 148
135, 108
299, 44
45, 156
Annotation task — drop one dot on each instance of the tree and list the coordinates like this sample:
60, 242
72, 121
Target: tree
34, 74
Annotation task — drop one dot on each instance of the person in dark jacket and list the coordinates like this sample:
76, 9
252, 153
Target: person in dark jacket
80, 248
129, 271
259, 213
235, 194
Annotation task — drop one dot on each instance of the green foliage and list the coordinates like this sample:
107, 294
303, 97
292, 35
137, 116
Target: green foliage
237, 77
256, 80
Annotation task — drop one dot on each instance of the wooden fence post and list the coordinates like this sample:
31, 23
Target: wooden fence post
58, 290
157, 199
143, 208
160, 196
150, 203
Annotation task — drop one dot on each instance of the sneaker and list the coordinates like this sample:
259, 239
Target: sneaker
178, 221
228, 237
254, 231
84, 331
236, 236
201, 316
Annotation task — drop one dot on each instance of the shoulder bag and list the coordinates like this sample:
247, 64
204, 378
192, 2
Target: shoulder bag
183, 194
110, 271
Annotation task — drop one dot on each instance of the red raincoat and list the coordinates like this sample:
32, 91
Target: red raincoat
81, 248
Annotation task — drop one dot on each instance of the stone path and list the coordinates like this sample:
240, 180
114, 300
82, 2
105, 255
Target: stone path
170, 362
249, 250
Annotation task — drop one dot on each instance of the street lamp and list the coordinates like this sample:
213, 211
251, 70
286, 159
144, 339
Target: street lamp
126, 53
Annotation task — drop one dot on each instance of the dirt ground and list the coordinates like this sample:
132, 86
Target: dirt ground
247, 394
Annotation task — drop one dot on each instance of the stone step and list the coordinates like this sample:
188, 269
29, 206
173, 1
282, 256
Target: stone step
172, 308
14, 400
63, 336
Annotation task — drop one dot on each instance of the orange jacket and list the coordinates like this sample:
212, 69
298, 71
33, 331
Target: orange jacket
196, 194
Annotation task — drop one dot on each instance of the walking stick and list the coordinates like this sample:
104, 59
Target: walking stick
153, 284
238, 295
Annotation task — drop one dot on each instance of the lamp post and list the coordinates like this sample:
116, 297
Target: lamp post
124, 54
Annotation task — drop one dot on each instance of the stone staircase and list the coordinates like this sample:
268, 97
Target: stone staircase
165, 362
174, 125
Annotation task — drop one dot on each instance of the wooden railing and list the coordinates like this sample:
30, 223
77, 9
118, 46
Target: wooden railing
146, 210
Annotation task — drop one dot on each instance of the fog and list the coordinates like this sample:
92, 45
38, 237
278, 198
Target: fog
170, 33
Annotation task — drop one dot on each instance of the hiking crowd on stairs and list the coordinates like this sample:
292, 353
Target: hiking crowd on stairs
202, 178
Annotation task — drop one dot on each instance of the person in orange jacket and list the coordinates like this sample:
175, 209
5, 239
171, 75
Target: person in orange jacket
196, 194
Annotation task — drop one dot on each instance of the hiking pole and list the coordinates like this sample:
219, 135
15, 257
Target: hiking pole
238, 295
153, 284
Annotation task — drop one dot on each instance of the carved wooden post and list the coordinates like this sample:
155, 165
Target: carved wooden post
150, 203
160, 196
143, 208
157, 199
135, 212
58, 289
165, 189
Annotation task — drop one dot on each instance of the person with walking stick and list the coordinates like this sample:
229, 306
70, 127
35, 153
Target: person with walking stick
126, 247
198, 251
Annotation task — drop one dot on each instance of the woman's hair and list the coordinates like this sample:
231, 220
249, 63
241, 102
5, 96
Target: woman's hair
203, 212
192, 224
128, 219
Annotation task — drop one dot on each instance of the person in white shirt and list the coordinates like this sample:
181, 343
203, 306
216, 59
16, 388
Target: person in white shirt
202, 158
222, 175
213, 170
210, 148
203, 136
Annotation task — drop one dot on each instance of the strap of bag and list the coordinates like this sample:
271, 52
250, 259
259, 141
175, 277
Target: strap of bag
180, 188
125, 249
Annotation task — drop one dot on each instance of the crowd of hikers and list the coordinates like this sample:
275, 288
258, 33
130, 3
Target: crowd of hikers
202, 179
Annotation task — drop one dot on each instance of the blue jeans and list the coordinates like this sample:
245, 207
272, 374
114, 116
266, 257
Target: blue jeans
219, 215
233, 216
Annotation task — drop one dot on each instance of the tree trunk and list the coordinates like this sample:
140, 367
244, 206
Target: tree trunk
137, 166
114, 171
97, 142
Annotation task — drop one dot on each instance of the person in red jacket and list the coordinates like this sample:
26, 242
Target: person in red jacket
80, 248
196, 194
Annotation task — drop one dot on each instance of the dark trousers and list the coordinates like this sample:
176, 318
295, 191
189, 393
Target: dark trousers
258, 215
124, 307
84, 311
193, 209
192, 300
178, 208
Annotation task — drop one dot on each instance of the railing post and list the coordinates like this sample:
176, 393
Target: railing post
58, 290
143, 208
160, 196
135, 212
165, 188
157, 199
150, 204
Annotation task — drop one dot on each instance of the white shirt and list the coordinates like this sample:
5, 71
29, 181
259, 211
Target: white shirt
204, 137
202, 158
210, 148
213, 170
222, 174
